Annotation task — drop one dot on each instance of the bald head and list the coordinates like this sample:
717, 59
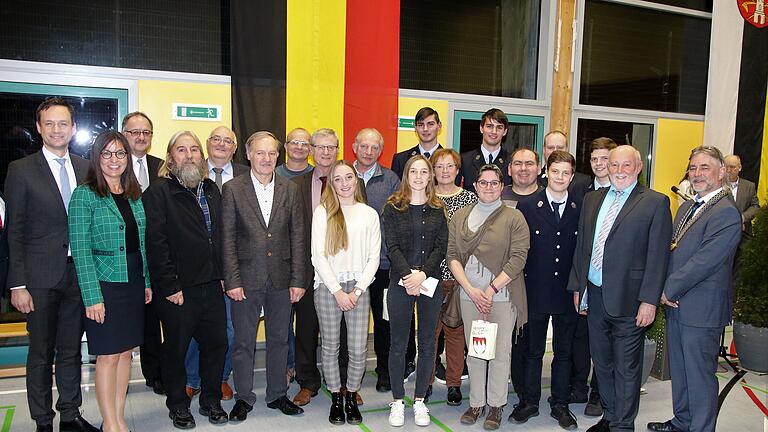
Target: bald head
624, 166
221, 145
732, 167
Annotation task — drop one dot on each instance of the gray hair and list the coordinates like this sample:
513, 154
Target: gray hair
259, 135
324, 132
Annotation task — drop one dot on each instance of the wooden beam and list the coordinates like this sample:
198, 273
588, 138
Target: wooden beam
562, 84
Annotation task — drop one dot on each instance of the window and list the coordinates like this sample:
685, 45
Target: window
524, 131
640, 58
487, 48
638, 135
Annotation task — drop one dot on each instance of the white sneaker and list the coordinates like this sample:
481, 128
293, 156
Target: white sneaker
397, 413
421, 413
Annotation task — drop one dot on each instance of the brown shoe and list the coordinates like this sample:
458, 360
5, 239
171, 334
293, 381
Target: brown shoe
303, 397
358, 398
471, 414
493, 420
192, 392
226, 391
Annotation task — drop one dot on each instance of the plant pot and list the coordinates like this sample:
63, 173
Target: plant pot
751, 343
649, 355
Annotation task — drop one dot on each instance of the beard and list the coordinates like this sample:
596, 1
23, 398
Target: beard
190, 175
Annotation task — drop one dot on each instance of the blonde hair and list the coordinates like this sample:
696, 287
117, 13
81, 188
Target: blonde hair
401, 198
336, 237
165, 168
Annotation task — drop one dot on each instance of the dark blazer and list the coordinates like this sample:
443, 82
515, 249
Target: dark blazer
179, 251
399, 159
38, 229
4, 249
239, 169
304, 190
471, 162
255, 252
551, 253
636, 251
397, 226
747, 203
580, 185
699, 276
153, 164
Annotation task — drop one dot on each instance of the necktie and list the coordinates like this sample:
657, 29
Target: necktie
426, 155
613, 211
218, 179
692, 211
65, 189
556, 208
323, 180
490, 159
143, 176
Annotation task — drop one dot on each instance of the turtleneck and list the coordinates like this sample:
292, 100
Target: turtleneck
480, 213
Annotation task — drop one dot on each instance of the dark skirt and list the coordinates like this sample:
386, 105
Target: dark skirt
123, 326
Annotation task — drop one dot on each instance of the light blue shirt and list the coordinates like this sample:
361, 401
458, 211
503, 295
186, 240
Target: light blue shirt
366, 175
227, 172
596, 276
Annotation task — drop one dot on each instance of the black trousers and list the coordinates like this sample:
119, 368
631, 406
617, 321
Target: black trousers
151, 349
307, 333
55, 328
582, 361
563, 327
203, 316
518, 362
616, 344
381, 336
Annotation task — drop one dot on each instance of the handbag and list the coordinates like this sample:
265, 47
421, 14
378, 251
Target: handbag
483, 340
451, 309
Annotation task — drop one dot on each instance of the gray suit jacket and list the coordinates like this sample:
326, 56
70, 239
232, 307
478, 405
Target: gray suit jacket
700, 267
636, 250
254, 251
38, 231
747, 203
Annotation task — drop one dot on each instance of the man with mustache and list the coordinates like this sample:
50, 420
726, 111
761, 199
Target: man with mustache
183, 210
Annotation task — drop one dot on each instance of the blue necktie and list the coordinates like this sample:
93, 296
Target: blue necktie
65, 189
556, 208
692, 211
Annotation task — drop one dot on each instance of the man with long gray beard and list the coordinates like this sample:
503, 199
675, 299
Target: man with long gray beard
183, 210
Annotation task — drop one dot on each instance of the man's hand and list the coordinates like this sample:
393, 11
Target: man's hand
96, 312
666, 301
177, 299
577, 304
645, 315
236, 294
296, 294
147, 295
21, 300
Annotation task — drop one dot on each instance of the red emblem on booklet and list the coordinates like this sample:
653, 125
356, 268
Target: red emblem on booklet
753, 12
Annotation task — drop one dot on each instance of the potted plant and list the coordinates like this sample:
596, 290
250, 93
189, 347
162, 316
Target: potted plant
750, 304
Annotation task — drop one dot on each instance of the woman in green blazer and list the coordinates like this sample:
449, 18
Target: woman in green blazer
106, 233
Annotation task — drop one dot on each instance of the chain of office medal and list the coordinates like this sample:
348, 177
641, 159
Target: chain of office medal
681, 229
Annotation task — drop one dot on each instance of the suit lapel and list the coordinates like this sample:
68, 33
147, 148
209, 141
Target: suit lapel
632, 200
278, 197
253, 200
545, 211
591, 216
47, 176
112, 205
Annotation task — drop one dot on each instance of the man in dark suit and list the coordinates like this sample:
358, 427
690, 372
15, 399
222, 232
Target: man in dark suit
618, 273
553, 217
138, 130
41, 272
744, 193
428, 126
697, 292
183, 209
264, 254
493, 127
556, 140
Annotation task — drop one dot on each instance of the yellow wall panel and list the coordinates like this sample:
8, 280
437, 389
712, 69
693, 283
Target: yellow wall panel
675, 140
408, 107
156, 99
762, 186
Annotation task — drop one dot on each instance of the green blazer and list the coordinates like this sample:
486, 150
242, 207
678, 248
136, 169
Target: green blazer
97, 239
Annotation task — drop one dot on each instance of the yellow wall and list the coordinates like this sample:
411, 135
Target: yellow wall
762, 187
156, 99
408, 107
675, 140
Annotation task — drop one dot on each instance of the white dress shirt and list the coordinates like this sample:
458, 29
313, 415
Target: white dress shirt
486, 153
56, 168
265, 195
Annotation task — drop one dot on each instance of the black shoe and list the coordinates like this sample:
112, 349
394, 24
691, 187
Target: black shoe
215, 413
667, 426
564, 417
382, 384
77, 424
336, 415
182, 418
410, 369
601, 426
240, 411
157, 386
440, 372
285, 406
594, 407
454, 396
44, 428
350, 408
428, 394
522, 412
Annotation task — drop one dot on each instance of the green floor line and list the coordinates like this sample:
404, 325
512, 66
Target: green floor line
325, 391
434, 419
8, 418
728, 378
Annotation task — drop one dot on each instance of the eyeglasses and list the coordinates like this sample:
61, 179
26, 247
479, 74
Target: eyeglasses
298, 143
136, 132
217, 139
488, 184
106, 154
325, 148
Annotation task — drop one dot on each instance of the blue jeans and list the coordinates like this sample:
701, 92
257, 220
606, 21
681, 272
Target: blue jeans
192, 359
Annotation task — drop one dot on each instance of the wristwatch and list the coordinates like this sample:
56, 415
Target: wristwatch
358, 292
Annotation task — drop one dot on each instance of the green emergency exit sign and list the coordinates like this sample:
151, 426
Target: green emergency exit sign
198, 112
406, 123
